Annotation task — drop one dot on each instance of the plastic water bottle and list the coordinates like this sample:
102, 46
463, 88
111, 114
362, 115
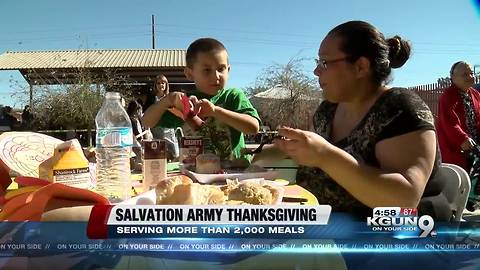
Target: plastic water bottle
171, 138
113, 145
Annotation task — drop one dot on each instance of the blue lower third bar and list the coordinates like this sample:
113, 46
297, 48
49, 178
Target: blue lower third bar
211, 231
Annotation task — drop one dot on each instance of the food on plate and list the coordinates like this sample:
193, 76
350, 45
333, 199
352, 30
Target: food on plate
251, 193
181, 190
166, 188
208, 163
197, 194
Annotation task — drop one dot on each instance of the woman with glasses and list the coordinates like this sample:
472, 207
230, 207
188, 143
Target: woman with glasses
372, 145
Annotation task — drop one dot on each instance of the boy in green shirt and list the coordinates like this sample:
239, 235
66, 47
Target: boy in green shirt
226, 111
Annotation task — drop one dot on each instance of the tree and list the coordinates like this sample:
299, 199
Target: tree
292, 96
73, 106
444, 82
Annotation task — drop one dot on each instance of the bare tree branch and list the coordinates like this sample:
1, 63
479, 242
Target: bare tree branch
294, 95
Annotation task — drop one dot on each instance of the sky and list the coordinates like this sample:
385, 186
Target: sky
257, 33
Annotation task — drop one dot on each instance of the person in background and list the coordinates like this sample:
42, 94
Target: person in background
4, 120
27, 117
134, 111
8, 118
372, 145
161, 90
146, 98
458, 125
161, 87
227, 111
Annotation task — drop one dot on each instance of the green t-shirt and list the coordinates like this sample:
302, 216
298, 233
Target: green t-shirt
225, 140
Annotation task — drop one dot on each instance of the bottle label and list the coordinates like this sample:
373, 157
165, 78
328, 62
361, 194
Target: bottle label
114, 137
76, 177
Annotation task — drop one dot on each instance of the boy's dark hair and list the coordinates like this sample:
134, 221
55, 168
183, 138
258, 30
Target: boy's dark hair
202, 45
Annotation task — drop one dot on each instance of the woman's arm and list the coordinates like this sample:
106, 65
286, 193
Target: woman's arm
406, 163
239, 121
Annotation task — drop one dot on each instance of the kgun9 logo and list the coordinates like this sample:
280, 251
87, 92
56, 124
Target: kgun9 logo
398, 219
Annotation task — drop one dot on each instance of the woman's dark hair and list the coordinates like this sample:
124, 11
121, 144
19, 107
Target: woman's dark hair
133, 107
454, 66
359, 38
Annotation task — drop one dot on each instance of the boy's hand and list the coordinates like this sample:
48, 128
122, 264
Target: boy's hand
195, 101
174, 99
203, 108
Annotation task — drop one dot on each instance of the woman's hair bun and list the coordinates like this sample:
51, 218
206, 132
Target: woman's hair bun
399, 51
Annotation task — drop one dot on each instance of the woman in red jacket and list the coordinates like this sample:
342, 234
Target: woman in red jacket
458, 116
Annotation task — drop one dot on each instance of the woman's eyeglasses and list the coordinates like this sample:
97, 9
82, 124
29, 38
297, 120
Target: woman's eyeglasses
324, 63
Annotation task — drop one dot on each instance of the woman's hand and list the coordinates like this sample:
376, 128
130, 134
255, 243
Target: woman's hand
468, 144
305, 147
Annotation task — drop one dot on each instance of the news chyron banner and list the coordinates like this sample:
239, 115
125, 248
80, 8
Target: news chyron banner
204, 221
241, 237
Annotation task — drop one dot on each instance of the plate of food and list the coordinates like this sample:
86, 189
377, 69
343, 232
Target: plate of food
181, 190
206, 178
209, 170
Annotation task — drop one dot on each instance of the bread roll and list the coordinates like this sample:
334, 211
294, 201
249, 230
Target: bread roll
166, 188
181, 190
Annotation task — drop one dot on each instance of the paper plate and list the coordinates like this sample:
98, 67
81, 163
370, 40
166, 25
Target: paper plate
211, 178
149, 197
22, 152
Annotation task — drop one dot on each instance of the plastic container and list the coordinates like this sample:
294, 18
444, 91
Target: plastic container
113, 145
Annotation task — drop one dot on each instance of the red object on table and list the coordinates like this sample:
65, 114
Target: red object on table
188, 114
5, 179
31, 181
31, 205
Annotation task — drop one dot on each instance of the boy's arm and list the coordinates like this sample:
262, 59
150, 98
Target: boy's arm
240, 114
239, 121
154, 113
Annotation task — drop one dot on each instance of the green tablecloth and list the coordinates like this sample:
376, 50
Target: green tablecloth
173, 166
